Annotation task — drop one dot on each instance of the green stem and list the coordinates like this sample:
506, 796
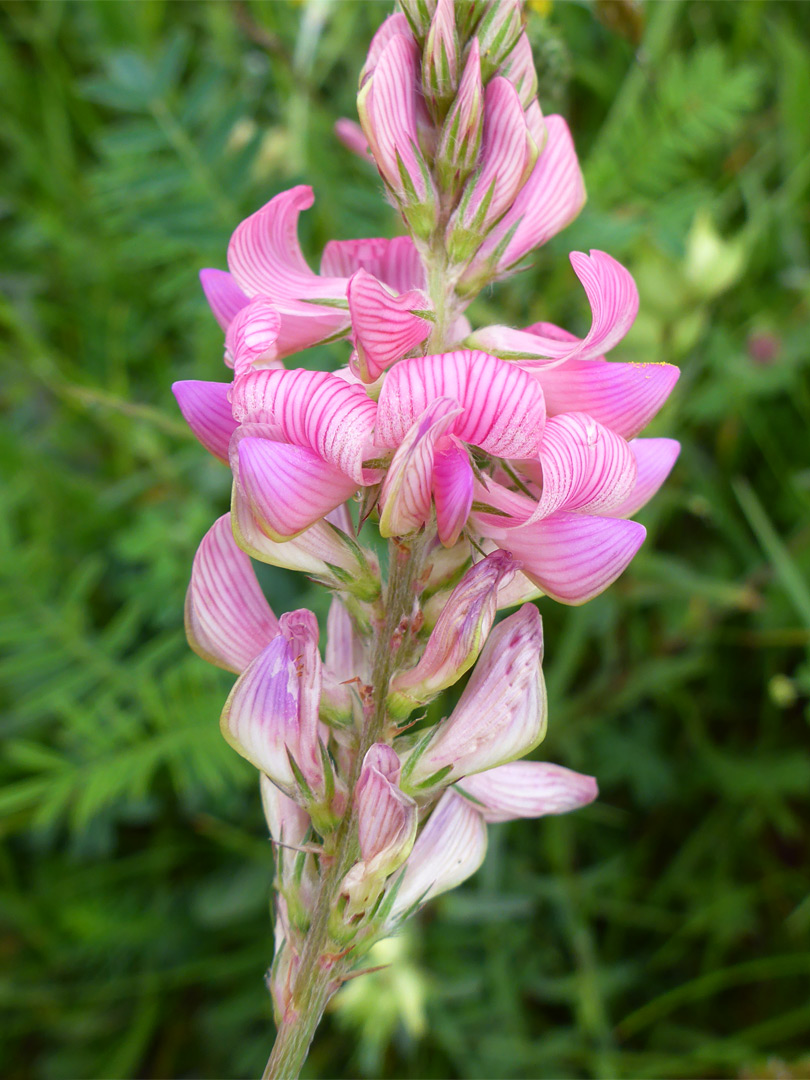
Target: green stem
320, 972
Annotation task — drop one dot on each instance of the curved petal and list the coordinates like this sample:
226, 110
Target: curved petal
313, 409
395, 262
581, 466
288, 487
351, 135
264, 256
389, 28
449, 849
207, 411
384, 328
228, 619
572, 557
406, 491
503, 414
654, 461
304, 325
252, 335
224, 296
622, 397
528, 789
453, 483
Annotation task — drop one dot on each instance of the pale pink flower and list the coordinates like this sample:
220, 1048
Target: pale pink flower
527, 789
500, 716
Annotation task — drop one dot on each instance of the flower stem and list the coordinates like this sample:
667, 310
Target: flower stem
322, 967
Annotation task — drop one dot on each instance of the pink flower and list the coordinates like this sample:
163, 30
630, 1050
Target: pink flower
527, 789
429, 408
500, 716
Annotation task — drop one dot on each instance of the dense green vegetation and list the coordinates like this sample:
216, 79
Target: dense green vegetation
662, 932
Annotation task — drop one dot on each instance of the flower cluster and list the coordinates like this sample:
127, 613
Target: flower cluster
502, 465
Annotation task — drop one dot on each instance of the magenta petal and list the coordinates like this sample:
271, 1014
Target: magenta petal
304, 325
207, 411
528, 789
406, 491
384, 328
654, 459
224, 296
573, 557
351, 135
452, 490
289, 487
394, 262
622, 397
264, 256
503, 414
228, 620
253, 335
313, 409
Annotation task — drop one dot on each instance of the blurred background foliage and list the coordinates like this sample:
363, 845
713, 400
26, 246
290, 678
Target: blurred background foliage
662, 932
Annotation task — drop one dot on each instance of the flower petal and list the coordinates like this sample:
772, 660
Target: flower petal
288, 487
207, 411
453, 483
395, 262
224, 296
528, 789
252, 336
622, 397
572, 557
264, 256
287, 822
351, 135
313, 409
503, 413
228, 619
389, 28
450, 848
406, 491
654, 459
384, 328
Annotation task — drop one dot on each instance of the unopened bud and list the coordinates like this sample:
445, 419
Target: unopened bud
440, 60
462, 132
419, 14
498, 32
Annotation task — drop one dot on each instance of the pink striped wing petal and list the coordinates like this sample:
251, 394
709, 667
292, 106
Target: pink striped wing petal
622, 397
581, 466
314, 409
452, 490
389, 28
253, 335
502, 412
549, 201
384, 328
572, 557
264, 256
406, 492
654, 460
228, 620
207, 411
395, 262
224, 296
288, 487
304, 325
528, 789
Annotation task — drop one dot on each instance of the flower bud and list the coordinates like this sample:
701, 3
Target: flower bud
498, 32
457, 638
450, 848
519, 69
460, 140
440, 60
346, 661
419, 14
500, 716
287, 821
528, 789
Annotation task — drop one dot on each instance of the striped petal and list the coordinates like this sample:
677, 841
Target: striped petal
572, 557
528, 789
288, 487
389, 28
264, 256
224, 296
550, 199
406, 492
252, 336
622, 397
394, 262
313, 409
207, 411
304, 325
503, 413
228, 620
384, 328
453, 483
654, 461
449, 849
